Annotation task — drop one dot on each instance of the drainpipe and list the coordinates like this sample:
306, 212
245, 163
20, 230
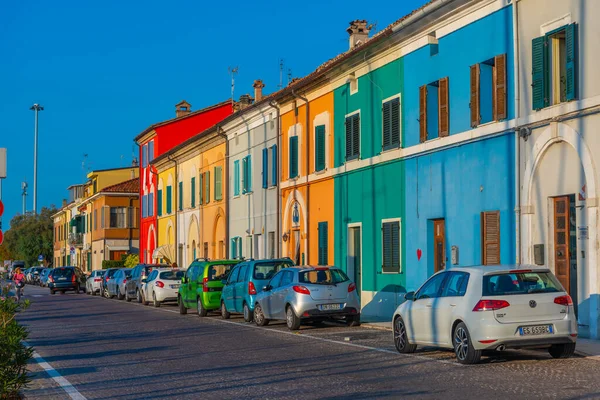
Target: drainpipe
130, 227
306, 129
176, 206
225, 189
517, 137
273, 104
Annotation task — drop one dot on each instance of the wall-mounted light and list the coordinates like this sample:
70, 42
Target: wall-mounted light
285, 237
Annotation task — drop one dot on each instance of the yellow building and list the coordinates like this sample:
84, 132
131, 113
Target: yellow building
61, 221
166, 213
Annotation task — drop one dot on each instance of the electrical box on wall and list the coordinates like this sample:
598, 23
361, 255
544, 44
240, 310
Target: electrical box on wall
454, 255
538, 254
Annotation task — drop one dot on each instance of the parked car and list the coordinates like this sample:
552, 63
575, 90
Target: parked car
108, 276
202, 284
66, 278
134, 284
308, 294
488, 308
244, 283
116, 285
93, 284
162, 285
43, 282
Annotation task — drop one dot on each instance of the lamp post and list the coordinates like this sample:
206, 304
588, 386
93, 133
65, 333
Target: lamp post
24, 194
36, 107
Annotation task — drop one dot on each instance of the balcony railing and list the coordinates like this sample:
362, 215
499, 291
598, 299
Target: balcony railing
75, 239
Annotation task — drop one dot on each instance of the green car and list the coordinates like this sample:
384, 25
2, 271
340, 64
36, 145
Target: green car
202, 285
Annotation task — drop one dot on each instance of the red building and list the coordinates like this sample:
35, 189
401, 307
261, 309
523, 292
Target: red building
158, 139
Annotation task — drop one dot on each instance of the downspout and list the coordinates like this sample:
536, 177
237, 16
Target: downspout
131, 228
517, 137
306, 129
273, 104
225, 188
175, 207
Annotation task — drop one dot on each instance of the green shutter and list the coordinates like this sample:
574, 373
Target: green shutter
391, 247
159, 203
320, 148
193, 192
352, 137
348, 138
201, 189
265, 168
207, 187
293, 157
323, 243
391, 124
233, 248
179, 196
539, 66
395, 110
571, 47
218, 183
236, 178
244, 175
169, 199
240, 247
249, 180
274, 178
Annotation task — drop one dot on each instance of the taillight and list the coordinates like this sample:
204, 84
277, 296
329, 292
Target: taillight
301, 289
107, 278
251, 288
565, 300
50, 279
490, 305
97, 279
73, 278
351, 287
159, 284
124, 281
205, 285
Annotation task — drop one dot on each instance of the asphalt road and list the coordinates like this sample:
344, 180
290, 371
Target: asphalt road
110, 349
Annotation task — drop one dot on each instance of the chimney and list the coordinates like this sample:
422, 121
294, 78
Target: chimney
258, 87
64, 202
359, 32
182, 108
245, 101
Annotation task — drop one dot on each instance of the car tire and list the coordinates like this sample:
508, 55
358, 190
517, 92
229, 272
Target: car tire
463, 347
353, 320
127, 298
182, 307
201, 310
138, 296
63, 291
88, 292
565, 350
291, 319
144, 302
52, 292
77, 289
155, 303
224, 313
105, 293
248, 316
259, 316
119, 295
401, 341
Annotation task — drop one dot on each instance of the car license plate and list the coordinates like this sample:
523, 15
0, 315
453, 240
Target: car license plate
62, 279
174, 286
330, 307
535, 330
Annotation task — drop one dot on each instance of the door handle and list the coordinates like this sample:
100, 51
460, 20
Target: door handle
428, 305
452, 305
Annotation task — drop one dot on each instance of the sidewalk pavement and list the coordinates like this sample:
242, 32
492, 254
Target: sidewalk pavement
585, 347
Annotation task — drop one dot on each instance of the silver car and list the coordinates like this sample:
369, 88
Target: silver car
304, 293
162, 285
93, 284
116, 286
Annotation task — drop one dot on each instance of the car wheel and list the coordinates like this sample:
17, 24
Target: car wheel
463, 348
77, 289
138, 296
87, 291
119, 295
155, 303
52, 291
247, 314
201, 310
105, 293
291, 319
182, 307
259, 316
144, 302
401, 338
224, 313
565, 350
127, 298
63, 291
353, 320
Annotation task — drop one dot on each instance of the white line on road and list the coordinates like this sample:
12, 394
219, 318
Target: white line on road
58, 378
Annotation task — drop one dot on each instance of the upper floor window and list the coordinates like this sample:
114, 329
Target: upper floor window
390, 236
180, 195
391, 124
320, 148
488, 91
269, 175
145, 156
169, 199
247, 174
434, 118
294, 157
159, 203
554, 67
150, 205
236, 178
274, 177
193, 191
207, 187
150, 151
353, 136
218, 183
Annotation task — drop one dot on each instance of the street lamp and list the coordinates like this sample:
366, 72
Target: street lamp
36, 107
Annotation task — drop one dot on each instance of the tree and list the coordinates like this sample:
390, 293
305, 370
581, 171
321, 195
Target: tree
132, 260
29, 236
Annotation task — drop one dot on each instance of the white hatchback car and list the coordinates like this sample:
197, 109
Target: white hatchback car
161, 285
488, 308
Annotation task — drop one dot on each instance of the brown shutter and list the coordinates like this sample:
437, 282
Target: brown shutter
106, 216
423, 113
490, 237
475, 113
443, 102
500, 87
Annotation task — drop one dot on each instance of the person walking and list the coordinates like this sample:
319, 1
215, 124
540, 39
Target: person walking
19, 280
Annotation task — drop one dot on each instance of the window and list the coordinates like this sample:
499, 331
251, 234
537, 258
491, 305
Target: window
144, 157
520, 283
276, 281
434, 118
236, 178
118, 217
391, 124
554, 67
431, 288
243, 272
353, 137
390, 232
151, 204
247, 174
271, 238
236, 247
218, 183
488, 91
323, 243
150, 150
95, 219
201, 189
274, 177
144, 206
323, 277
159, 200
287, 278
319, 148
207, 187
180, 196
169, 199
456, 285
265, 168
490, 238
102, 217
293, 157
193, 191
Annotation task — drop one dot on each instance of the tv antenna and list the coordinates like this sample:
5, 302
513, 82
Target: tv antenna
280, 86
289, 74
233, 71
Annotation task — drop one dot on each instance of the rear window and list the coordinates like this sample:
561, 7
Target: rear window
127, 272
63, 272
111, 272
520, 283
322, 277
267, 270
219, 272
171, 275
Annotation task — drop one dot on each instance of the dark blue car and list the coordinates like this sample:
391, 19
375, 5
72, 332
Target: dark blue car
66, 278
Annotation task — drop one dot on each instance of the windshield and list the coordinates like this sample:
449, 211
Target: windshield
111, 272
322, 277
171, 275
267, 270
63, 272
219, 272
520, 283
127, 272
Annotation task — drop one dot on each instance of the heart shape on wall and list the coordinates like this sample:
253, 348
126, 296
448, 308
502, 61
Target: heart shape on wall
419, 254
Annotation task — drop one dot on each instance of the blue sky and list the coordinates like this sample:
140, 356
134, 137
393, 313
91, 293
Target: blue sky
106, 70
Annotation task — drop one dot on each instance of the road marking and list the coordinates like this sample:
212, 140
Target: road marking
37, 295
58, 378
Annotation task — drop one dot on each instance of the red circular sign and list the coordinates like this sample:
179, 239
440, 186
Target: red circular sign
1, 237
1, 208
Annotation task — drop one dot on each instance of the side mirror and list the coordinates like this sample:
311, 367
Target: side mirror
144, 280
410, 296
184, 280
266, 288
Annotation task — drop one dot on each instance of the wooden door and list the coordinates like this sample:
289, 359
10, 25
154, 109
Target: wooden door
562, 257
355, 257
439, 245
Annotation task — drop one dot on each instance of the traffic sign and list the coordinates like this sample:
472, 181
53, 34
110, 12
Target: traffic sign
72, 249
40, 258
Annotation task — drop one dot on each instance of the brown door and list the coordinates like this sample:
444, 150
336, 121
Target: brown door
117, 254
561, 241
439, 243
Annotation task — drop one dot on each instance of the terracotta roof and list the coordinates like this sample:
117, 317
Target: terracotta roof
130, 186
